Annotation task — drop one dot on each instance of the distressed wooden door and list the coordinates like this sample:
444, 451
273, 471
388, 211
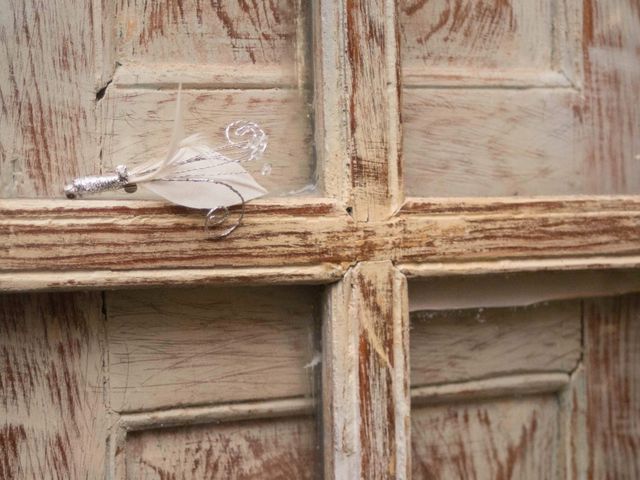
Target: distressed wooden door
442, 282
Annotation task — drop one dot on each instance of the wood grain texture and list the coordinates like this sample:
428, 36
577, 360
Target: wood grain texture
503, 121
611, 108
86, 236
573, 425
470, 78
518, 289
494, 43
208, 414
597, 276
478, 35
109, 280
502, 229
138, 122
330, 103
48, 70
170, 348
462, 143
511, 438
53, 420
202, 77
59, 61
490, 388
366, 404
194, 350
114, 235
340, 407
373, 117
248, 34
459, 345
548, 140
278, 449
596, 263
612, 369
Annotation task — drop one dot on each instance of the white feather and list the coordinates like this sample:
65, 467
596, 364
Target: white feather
208, 188
197, 176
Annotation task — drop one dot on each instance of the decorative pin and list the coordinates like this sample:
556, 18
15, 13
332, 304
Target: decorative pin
193, 174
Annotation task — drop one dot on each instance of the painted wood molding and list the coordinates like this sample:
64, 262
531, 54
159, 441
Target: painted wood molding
314, 240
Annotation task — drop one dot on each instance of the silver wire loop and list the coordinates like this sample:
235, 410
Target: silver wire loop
247, 136
218, 215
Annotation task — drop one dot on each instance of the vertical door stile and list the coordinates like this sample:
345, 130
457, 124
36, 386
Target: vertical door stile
372, 70
365, 374
366, 384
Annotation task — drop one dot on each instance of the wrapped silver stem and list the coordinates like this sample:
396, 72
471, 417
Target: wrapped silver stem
99, 183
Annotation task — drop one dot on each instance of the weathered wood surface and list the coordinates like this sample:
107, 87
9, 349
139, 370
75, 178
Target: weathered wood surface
505, 118
137, 124
59, 61
201, 77
518, 289
578, 264
511, 438
523, 44
87, 236
494, 387
330, 103
170, 348
246, 34
373, 107
612, 107
495, 143
48, 70
459, 345
366, 403
90, 235
109, 279
573, 131
557, 118
278, 449
478, 35
573, 427
500, 229
53, 420
612, 369
236, 61
56, 424
209, 414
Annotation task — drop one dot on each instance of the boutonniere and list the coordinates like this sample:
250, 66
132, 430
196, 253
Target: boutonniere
193, 174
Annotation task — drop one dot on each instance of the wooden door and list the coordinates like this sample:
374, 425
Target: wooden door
451, 293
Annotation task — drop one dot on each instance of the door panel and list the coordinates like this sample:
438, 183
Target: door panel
462, 345
236, 62
277, 449
224, 33
544, 390
137, 124
517, 98
171, 348
612, 366
70, 361
498, 143
488, 384
445, 38
491, 98
510, 438
48, 71
215, 382
53, 421
86, 87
